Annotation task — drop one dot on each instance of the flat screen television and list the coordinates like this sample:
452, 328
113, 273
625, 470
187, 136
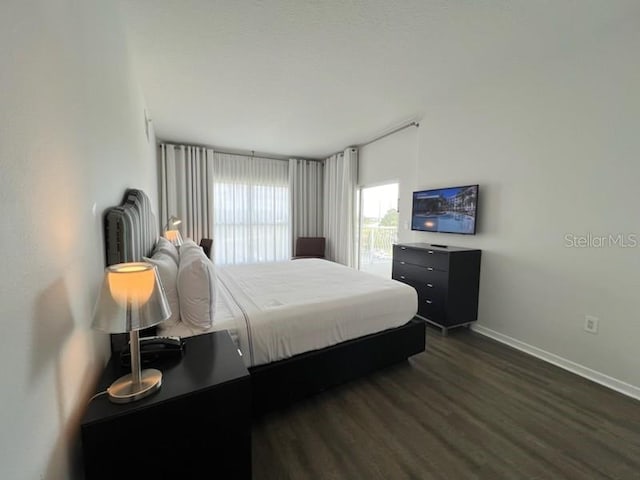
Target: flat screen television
446, 210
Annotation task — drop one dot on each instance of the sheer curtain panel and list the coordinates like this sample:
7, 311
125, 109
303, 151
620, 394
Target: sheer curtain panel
306, 178
186, 189
340, 179
251, 209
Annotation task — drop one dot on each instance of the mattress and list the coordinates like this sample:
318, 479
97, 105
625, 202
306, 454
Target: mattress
280, 309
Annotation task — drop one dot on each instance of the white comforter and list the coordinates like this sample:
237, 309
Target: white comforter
277, 310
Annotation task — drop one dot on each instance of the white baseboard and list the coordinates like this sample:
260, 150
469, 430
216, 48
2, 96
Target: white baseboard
609, 382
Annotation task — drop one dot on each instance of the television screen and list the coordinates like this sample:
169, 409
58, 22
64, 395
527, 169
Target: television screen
446, 210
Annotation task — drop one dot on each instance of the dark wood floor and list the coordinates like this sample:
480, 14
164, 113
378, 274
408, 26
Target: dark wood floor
467, 408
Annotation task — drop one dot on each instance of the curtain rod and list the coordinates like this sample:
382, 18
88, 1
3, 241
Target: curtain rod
380, 137
241, 153
410, 124
251, 153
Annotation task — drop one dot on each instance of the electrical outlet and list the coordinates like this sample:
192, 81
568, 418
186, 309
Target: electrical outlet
590, 324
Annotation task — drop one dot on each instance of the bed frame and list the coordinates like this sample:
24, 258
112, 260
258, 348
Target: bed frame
280, 383
131, 231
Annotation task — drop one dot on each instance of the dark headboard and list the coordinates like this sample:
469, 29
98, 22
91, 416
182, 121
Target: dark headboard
130, 229
130, 232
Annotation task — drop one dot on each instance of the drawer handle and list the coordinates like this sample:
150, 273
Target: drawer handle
403, 248
430, 252
402, 263
402, 277
430, 269
429, 302
430, 285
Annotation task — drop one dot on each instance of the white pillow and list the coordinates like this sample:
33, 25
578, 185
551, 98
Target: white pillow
165, 246
189, 243
196, 286
168, 271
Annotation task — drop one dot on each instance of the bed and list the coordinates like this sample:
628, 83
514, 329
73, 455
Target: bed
301, 326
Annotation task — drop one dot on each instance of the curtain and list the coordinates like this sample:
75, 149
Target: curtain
186, 189
340, 180
305, 189
251, 209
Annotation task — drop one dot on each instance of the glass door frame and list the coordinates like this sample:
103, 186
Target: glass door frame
360, 207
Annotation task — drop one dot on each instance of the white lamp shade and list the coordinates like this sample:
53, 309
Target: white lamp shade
172, 223
174, 237
131, 298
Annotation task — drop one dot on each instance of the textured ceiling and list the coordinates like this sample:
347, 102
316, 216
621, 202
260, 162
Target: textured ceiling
308, 78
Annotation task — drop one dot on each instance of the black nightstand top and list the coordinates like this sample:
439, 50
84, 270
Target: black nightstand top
209, 360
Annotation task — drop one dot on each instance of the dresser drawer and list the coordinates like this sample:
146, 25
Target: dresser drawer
432, 308
426, 289
428, 281
435, 279
419, 275
433, 259
407, 272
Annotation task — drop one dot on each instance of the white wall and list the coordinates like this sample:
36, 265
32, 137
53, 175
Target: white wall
555, 148
71, 137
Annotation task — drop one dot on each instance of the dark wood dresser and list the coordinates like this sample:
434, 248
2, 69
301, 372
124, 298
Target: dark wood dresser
447, 280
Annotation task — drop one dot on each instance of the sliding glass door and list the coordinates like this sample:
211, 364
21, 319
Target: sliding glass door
378, 228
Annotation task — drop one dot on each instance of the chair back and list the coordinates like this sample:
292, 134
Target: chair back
310, 247
206, 244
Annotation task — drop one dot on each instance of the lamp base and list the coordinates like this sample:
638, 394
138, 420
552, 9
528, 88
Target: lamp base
124, 390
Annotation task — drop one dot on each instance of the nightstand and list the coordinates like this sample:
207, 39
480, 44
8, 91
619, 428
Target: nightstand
198, 425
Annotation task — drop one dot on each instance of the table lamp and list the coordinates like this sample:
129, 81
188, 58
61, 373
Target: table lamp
131, 298
171, 233
173, 236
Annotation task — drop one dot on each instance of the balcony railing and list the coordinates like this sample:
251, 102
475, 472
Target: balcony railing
376, 243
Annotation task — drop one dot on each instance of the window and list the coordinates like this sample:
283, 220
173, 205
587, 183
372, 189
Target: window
251, 210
